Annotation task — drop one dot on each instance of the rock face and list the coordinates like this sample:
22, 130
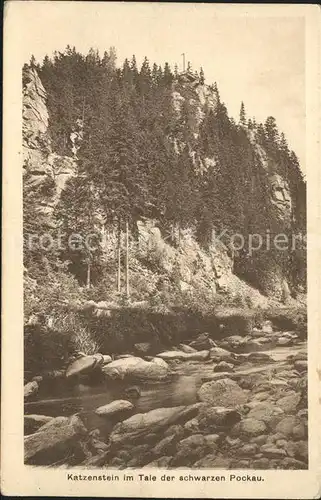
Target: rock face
42, 167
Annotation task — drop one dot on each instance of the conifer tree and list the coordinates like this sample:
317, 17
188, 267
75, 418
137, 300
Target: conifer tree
242, 114
167, 76
202, 77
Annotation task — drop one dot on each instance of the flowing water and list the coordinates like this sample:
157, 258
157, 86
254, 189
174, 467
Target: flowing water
66, 399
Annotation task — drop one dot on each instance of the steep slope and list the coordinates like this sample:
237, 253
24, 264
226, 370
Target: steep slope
44, 172
239, 186
202, 179
185, 264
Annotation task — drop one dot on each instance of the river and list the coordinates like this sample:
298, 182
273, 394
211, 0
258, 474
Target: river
67, 399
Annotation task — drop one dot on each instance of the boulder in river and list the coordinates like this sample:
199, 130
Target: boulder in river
153, 421
137, 368
161, 463
218, 417
259, 357
219, 354
33, 422
186, 348
202, 342
223, 392
266, 412
106, 359
55, 440
118, 406
143, 347
289, 403
192, 356
223, 366
249, 427
301, 365
290, 425
30, 389
84, 364
133, 391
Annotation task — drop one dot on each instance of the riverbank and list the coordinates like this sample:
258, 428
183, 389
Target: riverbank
243, 405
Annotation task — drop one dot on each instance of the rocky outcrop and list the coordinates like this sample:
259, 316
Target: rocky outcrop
43, 169
188, 88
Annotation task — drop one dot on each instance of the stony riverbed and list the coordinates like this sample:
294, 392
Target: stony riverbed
236, 403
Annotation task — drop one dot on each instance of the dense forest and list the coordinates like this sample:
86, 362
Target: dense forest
137, 159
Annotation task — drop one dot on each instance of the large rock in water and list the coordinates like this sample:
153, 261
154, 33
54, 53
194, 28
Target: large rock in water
202, 342
151, 422
217, 417
186, 348
33, 422
30, 389
143, 347
137, 368
114, 407
191, 356
223, 392
219, 354
54, 441
85, 364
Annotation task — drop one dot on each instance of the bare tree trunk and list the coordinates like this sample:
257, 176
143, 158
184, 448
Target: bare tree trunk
127, 261
88, 273
83, 110
118, 256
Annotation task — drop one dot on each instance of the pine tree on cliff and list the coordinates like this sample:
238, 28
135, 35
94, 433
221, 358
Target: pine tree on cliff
155, 78
127, 75
242, 115
33, 63
271, 134
145, 79
167, 75
202, 77
283, 144
134, 69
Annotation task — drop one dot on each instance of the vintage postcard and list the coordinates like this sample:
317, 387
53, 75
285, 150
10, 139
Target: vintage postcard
161, 250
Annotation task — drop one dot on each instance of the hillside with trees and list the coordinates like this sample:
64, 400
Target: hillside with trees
148, 146
163, 247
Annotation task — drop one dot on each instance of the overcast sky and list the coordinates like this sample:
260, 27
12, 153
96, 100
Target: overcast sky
257, 59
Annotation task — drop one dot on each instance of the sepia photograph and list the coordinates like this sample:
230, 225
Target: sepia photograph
164, 258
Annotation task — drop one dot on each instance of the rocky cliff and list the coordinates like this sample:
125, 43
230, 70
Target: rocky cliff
44, 170
194, 267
